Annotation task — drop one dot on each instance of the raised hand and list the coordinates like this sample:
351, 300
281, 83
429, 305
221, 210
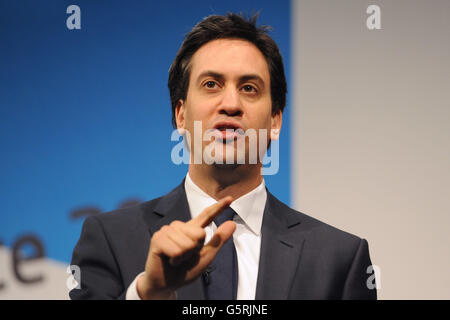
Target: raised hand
178, 255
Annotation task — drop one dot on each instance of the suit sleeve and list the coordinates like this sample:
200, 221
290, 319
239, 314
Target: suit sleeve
356, 284
99, 272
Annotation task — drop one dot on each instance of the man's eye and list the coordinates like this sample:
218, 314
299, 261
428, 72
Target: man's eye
249, 88
210, 84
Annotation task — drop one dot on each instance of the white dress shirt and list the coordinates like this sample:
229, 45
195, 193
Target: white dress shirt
247, 237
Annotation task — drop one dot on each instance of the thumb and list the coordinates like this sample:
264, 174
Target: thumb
210, 250
222, 235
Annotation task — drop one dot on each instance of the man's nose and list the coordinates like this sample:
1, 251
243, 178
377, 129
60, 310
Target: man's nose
231, 103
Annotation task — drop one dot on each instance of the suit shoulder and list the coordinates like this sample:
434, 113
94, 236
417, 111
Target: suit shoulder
127, 217
315, 226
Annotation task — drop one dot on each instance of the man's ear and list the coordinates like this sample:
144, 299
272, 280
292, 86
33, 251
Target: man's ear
179, 116
277, 119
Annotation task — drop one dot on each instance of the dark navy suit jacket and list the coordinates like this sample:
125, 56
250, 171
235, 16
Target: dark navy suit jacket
301, 257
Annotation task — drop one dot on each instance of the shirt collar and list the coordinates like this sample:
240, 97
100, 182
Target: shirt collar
249, 207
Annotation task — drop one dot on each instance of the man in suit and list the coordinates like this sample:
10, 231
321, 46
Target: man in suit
221, 234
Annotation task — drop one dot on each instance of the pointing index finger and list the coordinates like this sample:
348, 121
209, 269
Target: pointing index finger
208, 215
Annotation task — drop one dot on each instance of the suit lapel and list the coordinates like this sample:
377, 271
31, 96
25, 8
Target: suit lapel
174, 206
281, 247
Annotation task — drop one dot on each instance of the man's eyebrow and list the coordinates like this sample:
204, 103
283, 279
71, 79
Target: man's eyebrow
220, 76
209, 73
248, 77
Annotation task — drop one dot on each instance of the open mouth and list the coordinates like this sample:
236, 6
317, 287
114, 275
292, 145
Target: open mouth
228, 131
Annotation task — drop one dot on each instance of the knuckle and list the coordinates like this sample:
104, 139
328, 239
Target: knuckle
157, 239
176, 224
178, 252
167, 229
190, 244
156, 236
201, 234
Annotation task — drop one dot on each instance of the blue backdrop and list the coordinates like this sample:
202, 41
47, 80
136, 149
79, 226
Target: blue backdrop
85, 117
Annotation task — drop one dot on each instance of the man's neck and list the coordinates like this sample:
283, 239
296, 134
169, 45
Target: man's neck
219, 182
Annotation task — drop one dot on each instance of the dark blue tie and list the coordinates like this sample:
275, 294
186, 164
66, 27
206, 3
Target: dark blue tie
221, 277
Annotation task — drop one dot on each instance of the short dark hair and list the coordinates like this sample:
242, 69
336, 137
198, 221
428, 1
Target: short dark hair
222, 27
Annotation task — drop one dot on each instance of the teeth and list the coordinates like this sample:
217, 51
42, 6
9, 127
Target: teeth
225, 128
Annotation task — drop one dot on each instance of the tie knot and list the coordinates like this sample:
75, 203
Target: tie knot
226, 215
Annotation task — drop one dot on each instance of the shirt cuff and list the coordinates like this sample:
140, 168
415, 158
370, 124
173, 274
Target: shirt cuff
132, 293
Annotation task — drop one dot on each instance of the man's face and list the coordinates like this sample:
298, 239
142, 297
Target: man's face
229, 88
